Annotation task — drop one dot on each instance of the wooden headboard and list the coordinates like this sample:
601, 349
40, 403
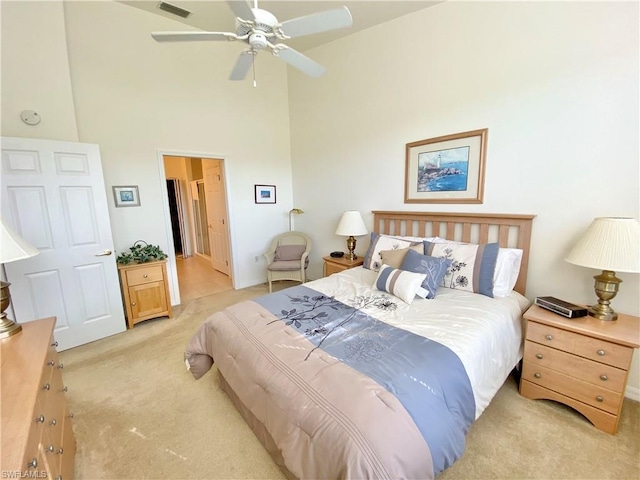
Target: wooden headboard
510, 231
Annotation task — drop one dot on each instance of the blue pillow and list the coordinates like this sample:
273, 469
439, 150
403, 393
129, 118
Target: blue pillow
434, 268
472, 266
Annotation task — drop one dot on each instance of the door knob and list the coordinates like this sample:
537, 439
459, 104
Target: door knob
104, 253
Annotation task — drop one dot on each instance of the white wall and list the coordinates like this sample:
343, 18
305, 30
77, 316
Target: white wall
556, 84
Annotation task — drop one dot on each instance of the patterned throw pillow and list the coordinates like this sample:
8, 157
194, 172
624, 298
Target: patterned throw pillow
402, 284
434, 268
472, 266
373, 259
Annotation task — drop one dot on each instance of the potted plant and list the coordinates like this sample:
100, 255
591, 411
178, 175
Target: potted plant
141, 252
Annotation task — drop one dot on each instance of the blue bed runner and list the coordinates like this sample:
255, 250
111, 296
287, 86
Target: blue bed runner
425, 376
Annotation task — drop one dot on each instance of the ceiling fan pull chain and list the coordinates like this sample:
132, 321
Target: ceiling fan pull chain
253, 67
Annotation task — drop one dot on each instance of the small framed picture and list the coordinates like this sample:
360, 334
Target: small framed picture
265, 193
126, 196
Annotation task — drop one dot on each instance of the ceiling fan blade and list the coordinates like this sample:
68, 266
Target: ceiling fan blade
317, 22
299, 61
192, 36
242, 9
243, 64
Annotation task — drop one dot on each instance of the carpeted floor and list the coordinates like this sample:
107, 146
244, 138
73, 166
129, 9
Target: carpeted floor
138, 413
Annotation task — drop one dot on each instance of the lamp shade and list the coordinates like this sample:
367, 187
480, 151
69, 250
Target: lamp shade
12, 246
351, 224
610, 243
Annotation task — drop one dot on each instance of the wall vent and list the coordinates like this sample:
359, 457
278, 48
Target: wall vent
167, 7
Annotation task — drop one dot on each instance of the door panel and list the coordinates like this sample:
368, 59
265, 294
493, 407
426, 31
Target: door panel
216, 202
53, 195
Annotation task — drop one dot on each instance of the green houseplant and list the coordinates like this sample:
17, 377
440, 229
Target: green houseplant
141, 252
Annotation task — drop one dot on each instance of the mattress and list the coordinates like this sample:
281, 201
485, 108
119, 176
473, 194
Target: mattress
346, 381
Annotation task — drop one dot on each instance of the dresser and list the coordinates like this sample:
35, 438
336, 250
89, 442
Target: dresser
582, 362
37, 433
145, 290
335, 265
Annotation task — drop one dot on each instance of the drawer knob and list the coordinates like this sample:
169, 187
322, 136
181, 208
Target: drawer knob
54, 344
40, 419
537, 375
599, 398
601, 353
145, 276
65, 389
46, 387
33, 463
60, 451
59, 477
51, 363
539, 356
549, 337
53, 422
71, 415
604, 378
50, 448
61, 365
133, 304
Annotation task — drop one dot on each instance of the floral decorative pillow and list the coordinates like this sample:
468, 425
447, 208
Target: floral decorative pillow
378, 243
402, 284
472, 266
434, 268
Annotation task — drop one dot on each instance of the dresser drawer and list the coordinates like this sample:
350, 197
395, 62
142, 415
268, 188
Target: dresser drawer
584, 346
596, 373
588, 393
138, 276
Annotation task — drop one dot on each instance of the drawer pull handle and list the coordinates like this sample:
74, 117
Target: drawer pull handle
50, 448
40, 419
46, 387
145, 276
601, 353
61, 365
549, 337
537, 375
539, 356
33, 463
604, 378
599, 398
53, 422
54, 344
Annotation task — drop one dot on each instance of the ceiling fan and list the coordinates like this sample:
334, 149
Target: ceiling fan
261, 30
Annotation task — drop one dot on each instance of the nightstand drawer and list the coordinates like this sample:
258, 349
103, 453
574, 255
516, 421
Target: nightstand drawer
599, 350
585, 392
137, 276
596, 373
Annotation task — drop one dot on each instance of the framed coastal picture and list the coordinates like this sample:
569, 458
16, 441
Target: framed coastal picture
126, 196
447, 169
265, 193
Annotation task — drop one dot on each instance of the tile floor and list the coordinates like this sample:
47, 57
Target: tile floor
197, 279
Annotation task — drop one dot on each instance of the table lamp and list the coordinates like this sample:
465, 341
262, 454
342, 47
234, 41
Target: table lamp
351, 225
610, 244
12, 248
297, 211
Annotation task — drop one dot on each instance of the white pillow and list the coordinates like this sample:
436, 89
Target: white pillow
507, 271
404, 285
378, 243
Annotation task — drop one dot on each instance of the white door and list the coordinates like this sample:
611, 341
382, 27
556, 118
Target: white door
216, 201
53, 195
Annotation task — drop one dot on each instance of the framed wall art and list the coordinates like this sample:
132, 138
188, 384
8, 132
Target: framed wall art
126, 196
265, 193
447, 169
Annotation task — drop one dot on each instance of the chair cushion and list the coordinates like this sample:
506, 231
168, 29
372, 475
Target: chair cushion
289, 252
286, 265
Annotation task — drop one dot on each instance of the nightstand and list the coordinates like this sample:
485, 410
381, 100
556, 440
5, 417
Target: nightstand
335, 265
145, 288
583, 362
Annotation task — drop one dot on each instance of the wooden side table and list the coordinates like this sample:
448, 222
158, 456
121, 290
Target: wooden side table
145, 289
582, 362
335, 265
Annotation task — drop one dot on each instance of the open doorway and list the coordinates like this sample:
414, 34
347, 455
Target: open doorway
199, 223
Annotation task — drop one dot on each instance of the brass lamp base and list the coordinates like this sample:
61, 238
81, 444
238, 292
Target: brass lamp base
606, 287
7, 326
351, 246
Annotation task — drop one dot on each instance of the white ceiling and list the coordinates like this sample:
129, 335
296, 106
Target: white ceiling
216, 16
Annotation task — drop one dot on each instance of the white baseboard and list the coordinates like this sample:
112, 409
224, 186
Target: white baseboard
633, 393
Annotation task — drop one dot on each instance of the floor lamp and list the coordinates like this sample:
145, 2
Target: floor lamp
12, 248
291, 212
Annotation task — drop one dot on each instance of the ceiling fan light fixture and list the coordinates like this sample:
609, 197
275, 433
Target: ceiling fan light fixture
180, 12
258, 41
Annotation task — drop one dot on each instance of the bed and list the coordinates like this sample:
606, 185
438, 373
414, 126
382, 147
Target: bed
340, 378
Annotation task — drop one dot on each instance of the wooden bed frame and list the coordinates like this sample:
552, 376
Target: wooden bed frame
510, 231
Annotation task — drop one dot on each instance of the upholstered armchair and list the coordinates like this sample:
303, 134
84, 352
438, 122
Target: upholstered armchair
288, 257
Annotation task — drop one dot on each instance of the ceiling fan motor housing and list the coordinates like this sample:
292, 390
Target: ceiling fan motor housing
258, 41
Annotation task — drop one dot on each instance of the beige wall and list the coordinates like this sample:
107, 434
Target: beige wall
556, 84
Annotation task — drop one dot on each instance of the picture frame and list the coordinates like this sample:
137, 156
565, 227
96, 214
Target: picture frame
265, 193
126, 196
446, 169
